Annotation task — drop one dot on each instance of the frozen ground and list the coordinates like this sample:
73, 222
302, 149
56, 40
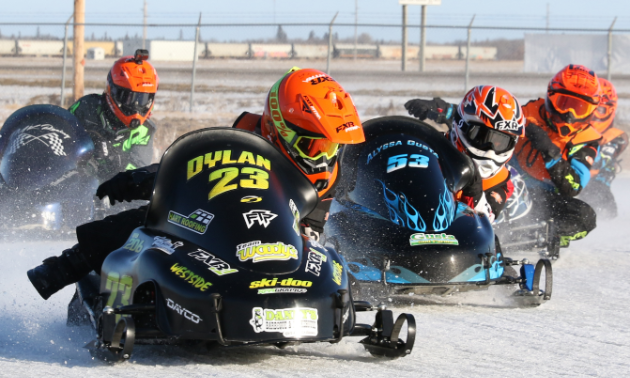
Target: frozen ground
583, 331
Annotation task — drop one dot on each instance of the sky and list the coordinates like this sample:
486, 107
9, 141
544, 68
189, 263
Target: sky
492, 13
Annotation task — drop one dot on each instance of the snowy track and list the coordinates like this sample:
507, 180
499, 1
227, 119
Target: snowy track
583, 331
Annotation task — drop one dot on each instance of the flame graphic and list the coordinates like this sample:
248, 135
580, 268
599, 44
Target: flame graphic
444, 214
401, 212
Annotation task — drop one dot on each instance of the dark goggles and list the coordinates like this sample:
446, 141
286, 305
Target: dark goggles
131, 102
484, 138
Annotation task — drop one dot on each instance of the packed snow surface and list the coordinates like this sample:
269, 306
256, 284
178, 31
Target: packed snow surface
583, 331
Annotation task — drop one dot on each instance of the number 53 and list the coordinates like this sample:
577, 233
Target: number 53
401, 161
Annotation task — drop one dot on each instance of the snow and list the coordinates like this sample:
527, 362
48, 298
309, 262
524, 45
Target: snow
583, 331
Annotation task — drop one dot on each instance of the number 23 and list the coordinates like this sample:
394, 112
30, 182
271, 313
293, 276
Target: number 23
257, 179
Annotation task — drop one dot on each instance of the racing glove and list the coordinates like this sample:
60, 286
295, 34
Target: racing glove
129, 185
472, 193
541, 142
437, 109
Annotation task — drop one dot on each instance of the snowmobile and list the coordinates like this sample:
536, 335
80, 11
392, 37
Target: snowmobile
397, 223
45, 177
518, 231
221, 260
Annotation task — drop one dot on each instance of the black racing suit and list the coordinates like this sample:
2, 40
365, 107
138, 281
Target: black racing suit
117, 147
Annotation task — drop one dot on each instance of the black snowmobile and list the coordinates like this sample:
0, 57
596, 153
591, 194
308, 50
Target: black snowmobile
399, 228
519, 231
46, 181
221, 260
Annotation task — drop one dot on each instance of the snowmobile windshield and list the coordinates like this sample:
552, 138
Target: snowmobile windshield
398, 177
40, 145
235, 195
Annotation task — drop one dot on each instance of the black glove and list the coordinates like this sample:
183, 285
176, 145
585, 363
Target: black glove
541, 142
437, 109
474, 190
127, 186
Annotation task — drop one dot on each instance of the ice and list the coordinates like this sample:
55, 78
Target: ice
584, 329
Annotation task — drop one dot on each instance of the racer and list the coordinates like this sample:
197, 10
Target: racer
485, 126
307, 116
558, 150
614, 141
118, 120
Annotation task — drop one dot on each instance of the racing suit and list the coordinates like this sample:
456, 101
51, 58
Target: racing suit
599, 193
99, 238
556, 169
117, 147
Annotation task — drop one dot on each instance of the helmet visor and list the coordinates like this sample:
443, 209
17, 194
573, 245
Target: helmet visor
131, 102
484, 138
579, 108
314, 148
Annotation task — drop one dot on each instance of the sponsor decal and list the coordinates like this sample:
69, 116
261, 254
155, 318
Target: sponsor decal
337, 272
385, 146
190, 277
348, 126
424, 239
46, 134
231, 178
119, 290
215, 264
273, 282
134, 244
507, 126
296, 217
251, 199
282, 290
291, 322
196, 222
308, 107
165, 244
318, 79
257, 251
314, 262
182, 311
262, 217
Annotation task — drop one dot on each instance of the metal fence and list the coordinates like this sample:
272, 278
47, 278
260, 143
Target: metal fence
271, 41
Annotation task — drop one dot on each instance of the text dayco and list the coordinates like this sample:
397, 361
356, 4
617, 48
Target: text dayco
224, 157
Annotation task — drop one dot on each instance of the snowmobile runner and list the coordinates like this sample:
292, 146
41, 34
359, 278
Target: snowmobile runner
399, 228
46, 180
221, 259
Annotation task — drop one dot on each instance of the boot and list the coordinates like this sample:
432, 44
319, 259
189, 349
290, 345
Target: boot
58, 272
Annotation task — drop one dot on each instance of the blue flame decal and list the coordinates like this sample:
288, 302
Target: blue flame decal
444, 214
401, 212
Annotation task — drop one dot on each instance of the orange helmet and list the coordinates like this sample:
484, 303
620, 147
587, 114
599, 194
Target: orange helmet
572, 97
604, 115
308, 115
486, 127
131, 86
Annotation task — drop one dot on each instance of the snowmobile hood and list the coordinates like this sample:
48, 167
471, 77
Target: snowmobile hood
235, 195
399, 176
40, 144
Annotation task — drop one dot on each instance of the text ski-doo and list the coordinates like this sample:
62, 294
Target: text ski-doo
399, 227
221, 259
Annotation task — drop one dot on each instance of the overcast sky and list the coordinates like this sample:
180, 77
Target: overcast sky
526, 13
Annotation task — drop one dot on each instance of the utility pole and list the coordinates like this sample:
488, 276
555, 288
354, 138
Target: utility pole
194, 67
423, 36
356, 21
404, 37
547, 19
610, 47
466, 75
144, 26
79, 35
330, 43
63, 71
